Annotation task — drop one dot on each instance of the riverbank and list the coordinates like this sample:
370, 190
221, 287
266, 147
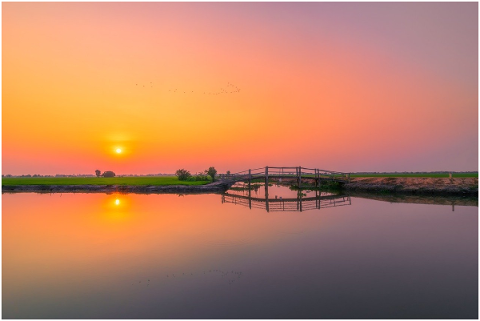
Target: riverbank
454, 200
216, 187
465, 186
414, 185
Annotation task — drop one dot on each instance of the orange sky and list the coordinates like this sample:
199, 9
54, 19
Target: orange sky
340, 86
158, 233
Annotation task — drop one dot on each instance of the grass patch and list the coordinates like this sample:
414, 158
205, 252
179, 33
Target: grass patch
150, 180
433, 175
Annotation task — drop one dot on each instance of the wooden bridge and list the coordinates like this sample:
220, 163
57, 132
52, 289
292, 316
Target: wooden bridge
296, 173
288, 204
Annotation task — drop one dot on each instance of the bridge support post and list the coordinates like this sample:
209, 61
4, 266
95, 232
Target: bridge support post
249, 178
266, 175
266, 188
266, 198
301, 201
299, 176
319, 182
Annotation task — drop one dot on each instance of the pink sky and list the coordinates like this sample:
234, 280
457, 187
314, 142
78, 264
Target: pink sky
340, 86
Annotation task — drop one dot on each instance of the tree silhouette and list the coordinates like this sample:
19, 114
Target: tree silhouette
212, 172
108, 174
183, 174
98, 172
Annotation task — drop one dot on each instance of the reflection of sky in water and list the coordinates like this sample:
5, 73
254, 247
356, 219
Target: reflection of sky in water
274, 191
169, 256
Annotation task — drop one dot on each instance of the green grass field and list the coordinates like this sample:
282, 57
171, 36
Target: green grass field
153, 180
433, 175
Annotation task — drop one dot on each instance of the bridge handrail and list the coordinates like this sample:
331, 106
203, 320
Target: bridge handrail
334, 172
311, 169
246, 171
287, 171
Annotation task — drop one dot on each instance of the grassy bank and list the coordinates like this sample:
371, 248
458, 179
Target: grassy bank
133, 181
431, 175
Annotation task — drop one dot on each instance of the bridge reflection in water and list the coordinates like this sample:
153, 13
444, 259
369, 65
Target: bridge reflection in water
299, 203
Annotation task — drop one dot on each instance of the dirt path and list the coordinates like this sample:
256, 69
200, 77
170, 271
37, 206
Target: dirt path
415, 185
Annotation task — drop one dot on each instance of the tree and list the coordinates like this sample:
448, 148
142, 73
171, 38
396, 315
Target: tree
108, 174
212, 172
98, 172
183, 174
228, 173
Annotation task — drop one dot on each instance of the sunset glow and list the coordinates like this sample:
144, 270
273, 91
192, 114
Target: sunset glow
340, 86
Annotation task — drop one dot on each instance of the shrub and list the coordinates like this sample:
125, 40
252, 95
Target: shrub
108, 174
201, 177
183, 174
212, 172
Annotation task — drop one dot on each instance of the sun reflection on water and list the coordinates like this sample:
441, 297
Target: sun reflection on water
117, 208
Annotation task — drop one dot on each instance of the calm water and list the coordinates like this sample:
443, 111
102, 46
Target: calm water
200, 256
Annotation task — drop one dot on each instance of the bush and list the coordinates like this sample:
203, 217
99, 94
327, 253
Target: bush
108, 174
183, 174
201, 177
212, 172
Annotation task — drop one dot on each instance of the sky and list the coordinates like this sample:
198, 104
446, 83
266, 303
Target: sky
338, 86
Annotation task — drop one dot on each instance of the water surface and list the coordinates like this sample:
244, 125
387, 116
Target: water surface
196, 256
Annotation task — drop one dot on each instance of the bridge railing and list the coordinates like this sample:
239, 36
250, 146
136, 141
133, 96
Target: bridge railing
274, 205
272, 171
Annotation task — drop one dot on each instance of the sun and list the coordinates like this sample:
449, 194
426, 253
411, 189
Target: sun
118, 150
117, 201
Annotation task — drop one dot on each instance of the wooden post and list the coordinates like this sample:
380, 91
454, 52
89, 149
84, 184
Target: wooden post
300, 201
249, 197
299, 176
249, 178
266, 188
266, 198
319, 181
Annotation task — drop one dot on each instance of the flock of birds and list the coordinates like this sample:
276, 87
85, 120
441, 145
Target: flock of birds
229, 89
151, 85
231, 276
